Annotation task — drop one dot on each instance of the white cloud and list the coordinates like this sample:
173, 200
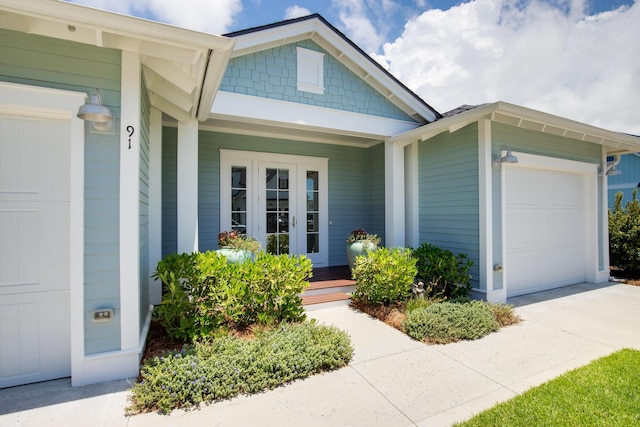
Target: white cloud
296, 11
548, 57
212, 16
358, 26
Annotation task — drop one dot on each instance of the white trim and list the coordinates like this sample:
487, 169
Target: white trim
112, 365
394, 199
155, 202
485, 188
130, 202
590, 176
31, 100
412, 196
604, 274
188, 186
624, 186
518, 116
252, 161
245, 108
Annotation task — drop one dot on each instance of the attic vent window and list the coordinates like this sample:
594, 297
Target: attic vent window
310, 71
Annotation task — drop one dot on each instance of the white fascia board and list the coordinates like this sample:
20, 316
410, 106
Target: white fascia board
317, 31
83, 16
615, 142
294, 115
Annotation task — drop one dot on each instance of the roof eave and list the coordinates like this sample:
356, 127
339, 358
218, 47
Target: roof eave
522, 117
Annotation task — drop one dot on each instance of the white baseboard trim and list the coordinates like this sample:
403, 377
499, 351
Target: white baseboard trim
113, 365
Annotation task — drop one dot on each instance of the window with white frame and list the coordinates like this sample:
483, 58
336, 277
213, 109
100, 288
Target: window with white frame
310, 71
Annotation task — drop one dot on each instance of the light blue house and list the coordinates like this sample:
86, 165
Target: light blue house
288, 132
627, 178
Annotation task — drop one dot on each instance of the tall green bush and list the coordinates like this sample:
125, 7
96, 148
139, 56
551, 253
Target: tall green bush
624, 234
384, 276
444, 274
203, 292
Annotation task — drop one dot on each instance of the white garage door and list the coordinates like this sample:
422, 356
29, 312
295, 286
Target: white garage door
34, 250
546, 229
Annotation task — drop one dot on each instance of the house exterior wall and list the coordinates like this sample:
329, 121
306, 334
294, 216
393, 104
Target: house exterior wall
356, 186
42, 61
531, 142
272, 74
626, 182
448, 189
145, 115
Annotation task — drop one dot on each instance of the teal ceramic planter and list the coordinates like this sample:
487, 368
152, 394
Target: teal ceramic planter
358, 248
235, 255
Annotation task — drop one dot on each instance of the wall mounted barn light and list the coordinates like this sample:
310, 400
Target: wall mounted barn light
507, 158
610, 167
93, 111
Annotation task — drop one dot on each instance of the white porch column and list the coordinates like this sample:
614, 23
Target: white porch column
188, 186
155, 202
130, 202
412, 233
485, 165
394, 194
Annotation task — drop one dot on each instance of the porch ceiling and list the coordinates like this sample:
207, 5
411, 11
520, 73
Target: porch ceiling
182, 68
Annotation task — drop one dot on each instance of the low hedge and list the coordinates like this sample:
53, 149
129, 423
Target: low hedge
449, 322
229, 366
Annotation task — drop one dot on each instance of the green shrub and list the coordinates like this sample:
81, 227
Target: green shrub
384, 275
204, 293
624, 235
449, 322
228, 366
444, 274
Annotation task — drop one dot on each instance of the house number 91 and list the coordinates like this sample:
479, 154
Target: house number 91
131, 130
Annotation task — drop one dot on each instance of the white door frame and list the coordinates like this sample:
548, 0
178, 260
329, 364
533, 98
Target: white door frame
252, 160
590, 172
32, 101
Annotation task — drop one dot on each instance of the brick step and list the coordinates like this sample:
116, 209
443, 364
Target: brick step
314, 302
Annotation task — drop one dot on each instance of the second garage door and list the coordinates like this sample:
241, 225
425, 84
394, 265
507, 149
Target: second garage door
546, 229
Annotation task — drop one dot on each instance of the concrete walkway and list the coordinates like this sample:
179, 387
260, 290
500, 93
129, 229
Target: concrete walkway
392, 380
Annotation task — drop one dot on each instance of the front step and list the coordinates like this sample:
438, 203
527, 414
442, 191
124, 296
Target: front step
326, 300
327, 293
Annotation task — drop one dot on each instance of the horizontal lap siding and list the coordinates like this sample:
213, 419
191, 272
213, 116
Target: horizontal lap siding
145, 109
448, 193
45, 62
349, 186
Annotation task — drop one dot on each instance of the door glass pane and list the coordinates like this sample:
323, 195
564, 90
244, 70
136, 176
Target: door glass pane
313, 213
239, 198
277, 210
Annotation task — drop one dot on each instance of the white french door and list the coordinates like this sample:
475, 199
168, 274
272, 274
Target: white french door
279, 199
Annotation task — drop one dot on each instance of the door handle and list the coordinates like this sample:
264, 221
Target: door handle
293, 221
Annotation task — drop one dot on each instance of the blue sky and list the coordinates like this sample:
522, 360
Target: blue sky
578, 59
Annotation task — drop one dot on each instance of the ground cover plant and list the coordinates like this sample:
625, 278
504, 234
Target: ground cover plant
604, 393
227, 366
242, 328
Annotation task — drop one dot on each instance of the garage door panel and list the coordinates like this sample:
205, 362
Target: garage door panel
30, 326
34, 250
545, 229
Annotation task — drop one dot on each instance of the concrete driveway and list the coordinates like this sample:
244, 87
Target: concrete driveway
392, 380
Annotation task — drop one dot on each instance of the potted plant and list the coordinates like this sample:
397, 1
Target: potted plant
360, 242
237, 247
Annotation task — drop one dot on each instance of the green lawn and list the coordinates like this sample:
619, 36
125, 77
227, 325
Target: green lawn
604, 393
